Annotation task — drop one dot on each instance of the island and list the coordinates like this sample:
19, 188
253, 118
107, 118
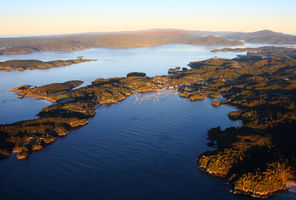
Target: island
22, 65
257, 159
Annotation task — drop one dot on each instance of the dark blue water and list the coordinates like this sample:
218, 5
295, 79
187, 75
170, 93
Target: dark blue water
118, 157
144, 147
110, 63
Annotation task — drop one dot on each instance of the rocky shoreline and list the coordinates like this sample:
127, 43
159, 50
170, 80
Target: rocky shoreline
245, 192
74, 106
257, 159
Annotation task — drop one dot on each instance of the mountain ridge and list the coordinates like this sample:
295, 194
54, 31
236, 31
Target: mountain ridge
135, 39
264, 36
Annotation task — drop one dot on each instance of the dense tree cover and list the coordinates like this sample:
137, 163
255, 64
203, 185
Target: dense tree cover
257, 158
109, 40
263, 37
22, 65
71, 42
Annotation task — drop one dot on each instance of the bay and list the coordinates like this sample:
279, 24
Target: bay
144, 147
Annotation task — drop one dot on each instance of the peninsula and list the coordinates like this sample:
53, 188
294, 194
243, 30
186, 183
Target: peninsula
268, 51
22, 65
257, 159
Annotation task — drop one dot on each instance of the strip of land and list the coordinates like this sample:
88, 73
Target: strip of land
110, 40
266, 51
135, 39
22, 65
257, 159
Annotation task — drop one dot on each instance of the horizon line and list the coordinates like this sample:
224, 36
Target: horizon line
126, 31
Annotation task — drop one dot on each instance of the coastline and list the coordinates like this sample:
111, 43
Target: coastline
235, 147
22, 65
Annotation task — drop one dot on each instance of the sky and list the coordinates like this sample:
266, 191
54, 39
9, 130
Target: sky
39, 17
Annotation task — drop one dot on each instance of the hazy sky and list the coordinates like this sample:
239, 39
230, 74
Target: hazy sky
70, 16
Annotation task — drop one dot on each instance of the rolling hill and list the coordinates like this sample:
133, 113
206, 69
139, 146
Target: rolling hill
264, 37
135, 39
109, 40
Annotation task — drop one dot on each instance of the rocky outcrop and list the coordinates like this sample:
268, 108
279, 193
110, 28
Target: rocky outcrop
176, 69
52, 92
22, 155
216, 103
197, 96
248, 160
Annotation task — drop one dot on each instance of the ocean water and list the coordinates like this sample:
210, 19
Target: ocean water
144, 147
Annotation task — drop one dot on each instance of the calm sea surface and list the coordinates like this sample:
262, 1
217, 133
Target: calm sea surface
144, 147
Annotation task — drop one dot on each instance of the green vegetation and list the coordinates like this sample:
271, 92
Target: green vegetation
22, 65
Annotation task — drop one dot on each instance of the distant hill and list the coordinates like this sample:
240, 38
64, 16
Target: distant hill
264, 37
134, 39
110, 40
